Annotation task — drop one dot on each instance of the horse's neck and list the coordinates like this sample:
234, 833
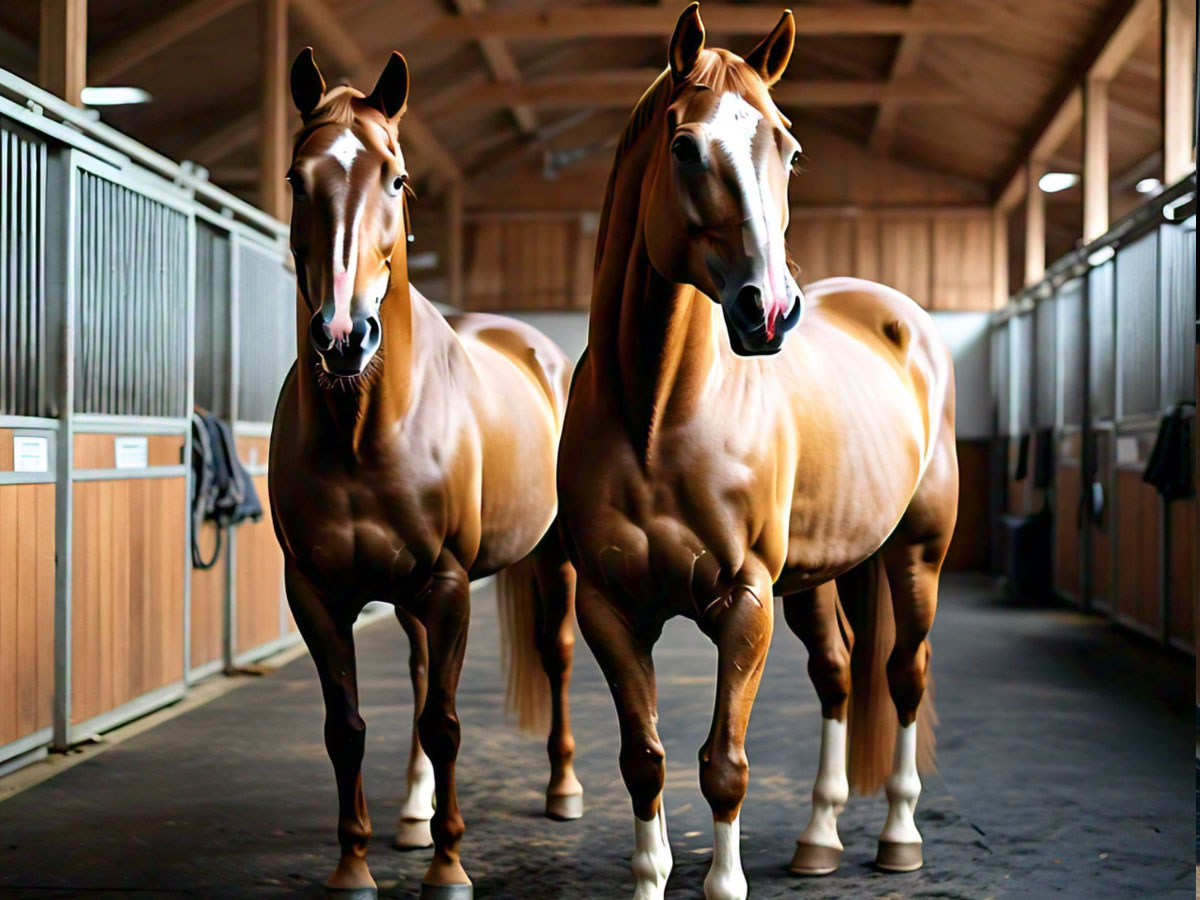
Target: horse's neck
366, 409
650, 340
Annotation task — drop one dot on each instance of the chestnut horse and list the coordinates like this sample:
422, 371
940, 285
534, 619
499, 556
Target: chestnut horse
705, 464
409, 456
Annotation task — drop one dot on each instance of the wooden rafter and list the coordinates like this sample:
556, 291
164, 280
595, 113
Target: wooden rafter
62, 48
164, 31
348, 54
502, 66
904, 65
1122, 29
719, 18
621, 88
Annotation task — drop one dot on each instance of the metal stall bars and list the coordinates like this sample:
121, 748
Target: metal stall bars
1125, 340
99, 244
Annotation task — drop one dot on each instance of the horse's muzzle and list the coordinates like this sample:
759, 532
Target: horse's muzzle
746, 322
350, 355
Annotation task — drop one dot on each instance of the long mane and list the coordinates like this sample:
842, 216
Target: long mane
716, 69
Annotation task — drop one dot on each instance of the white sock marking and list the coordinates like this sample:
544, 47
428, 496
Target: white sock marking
903, 787
726, 880
651, 856
418, 800
831, 790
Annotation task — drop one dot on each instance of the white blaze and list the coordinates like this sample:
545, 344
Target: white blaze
345, 149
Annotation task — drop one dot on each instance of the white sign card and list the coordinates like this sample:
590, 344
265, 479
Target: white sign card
131, 452
31, 453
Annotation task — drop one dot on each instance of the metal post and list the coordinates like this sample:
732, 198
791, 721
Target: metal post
61, 270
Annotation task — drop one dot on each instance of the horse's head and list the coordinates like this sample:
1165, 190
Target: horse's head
348, 181
718, 206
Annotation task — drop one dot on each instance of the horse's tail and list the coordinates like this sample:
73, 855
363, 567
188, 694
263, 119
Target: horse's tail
528, 693
865, 599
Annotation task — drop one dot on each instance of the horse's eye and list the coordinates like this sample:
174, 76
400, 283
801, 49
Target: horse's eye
297, 182
396, 184
795, 163
685, 149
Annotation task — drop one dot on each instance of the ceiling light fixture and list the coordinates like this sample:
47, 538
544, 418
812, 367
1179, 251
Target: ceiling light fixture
1148, 186
1053, 182
114, 96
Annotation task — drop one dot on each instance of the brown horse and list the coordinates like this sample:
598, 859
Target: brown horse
706, 464
409, 456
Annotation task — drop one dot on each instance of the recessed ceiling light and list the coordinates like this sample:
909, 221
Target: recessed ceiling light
114, 96
1053, 182
1148, 186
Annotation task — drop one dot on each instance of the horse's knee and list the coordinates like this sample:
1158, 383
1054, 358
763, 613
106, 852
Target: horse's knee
643, 768
829, 670
906, 668
724, 777
439, 731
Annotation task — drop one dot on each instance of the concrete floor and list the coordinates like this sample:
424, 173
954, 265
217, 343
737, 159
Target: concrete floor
1065, 771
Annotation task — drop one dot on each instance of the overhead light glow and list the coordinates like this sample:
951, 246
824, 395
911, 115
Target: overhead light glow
114, 96
1148, 186
1053, 182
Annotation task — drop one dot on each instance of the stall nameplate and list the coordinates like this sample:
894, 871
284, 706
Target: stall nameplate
31, 453
131, 452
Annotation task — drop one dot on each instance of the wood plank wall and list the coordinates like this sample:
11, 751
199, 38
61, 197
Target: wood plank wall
26, 603
940, 258
259, 567
528, 264
208, 602
127, 579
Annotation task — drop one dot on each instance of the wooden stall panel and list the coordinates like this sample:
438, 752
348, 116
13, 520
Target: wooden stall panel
970, 549
905, 257
1101, 563
259, 569
822, 248
26, 608
525, 264
1136, 522
1067, 545
1181, 571
208, 601
259, 574
962, 261
127, 591
97, 451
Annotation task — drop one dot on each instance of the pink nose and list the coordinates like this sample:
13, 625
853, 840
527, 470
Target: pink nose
339, 328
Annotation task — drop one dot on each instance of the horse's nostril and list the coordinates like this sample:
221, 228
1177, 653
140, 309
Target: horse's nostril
748, 307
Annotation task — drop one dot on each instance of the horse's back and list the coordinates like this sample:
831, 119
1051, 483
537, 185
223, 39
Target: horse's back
530, 351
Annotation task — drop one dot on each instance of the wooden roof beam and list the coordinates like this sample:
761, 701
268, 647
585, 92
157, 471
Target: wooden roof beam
904, 65
502, 66
724, 18
620, 89
124, 54
1124, 27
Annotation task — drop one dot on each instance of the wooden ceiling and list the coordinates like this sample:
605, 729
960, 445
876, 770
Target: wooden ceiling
531, 94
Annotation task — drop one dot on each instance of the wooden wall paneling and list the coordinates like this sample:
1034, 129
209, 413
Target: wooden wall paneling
1100, 533
822, 247
1067, 546
905, 248
1137, 525
259, 580
866, 247
970, 549
962, 261
127, 591
1181, 571
208, 602
10, 602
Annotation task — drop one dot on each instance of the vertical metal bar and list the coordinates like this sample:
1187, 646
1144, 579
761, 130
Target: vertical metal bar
62, 278
188, 267
7, 186
41, 374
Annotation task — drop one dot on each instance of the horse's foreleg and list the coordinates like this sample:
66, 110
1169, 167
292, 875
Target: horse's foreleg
412, 831
445, 611
913, 580
742, 633
812, 615
556, 644
624, 657
330, 640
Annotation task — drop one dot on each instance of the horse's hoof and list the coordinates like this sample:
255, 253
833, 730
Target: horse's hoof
413, 834
447, 891
564, 807
813, 859
894, 856
359, 893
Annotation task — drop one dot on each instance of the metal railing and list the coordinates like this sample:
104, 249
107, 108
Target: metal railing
128, 283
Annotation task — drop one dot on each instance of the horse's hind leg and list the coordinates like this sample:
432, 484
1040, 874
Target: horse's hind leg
412, 831
742, 633
330, 640
624, 657
556, 644
813, 616
912, 573
444, 609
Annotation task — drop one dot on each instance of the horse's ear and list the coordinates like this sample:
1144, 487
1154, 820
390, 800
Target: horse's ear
308, 87
686, 42
391, 90
770, 57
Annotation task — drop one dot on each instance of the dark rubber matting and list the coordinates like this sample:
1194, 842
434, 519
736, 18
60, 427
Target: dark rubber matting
1065, 755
